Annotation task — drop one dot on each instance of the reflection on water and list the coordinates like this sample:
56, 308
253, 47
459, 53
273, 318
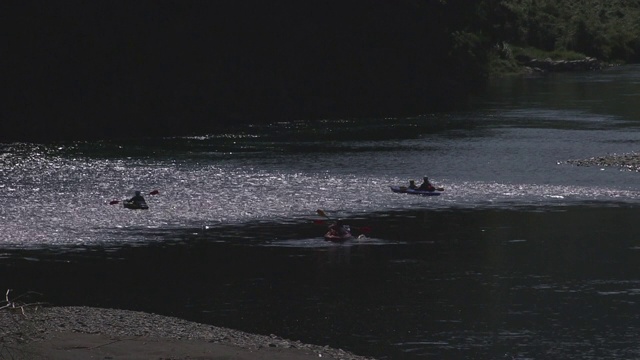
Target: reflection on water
318, 242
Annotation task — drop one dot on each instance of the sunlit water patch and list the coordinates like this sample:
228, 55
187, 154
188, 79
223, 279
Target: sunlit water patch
59, 194
66, 202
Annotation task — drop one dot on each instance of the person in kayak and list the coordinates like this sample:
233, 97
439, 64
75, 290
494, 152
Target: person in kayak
412, 184
426, 185
137, 198
338, 228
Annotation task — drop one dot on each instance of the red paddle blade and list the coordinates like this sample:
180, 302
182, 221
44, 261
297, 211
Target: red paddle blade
113, 202
154, 192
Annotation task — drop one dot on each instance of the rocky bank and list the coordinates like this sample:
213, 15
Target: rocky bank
629, 161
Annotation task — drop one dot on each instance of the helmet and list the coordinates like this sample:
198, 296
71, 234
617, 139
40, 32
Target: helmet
137, 192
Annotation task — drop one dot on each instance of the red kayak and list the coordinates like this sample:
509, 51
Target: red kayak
335, 237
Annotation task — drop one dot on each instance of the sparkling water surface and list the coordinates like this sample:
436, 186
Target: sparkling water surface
59, 195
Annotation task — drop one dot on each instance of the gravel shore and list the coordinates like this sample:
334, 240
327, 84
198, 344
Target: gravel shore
95, 333
630, 161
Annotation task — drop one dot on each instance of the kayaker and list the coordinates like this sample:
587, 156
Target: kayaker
426, 185
412, 184
137, 198
338, 228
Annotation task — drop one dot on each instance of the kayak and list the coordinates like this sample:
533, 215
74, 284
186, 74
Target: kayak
334, 237
406, 190
135, 205
330, 236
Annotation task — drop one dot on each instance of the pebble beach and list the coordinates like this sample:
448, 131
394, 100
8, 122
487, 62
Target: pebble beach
95, 333
630, 161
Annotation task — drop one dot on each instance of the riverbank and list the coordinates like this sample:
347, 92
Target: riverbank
94, 333
630, 161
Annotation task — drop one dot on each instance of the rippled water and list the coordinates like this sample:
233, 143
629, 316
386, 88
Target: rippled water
522, 256
58, 194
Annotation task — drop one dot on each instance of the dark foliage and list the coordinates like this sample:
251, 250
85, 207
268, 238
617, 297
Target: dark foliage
605, 29
85, 69
95, 69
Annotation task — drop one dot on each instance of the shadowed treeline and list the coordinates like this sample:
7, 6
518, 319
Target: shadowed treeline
103, 69
85, 69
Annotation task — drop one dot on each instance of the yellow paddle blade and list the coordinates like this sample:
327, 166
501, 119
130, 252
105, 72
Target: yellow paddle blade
321, 213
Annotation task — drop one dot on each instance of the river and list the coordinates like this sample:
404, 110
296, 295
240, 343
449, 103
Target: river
522, 256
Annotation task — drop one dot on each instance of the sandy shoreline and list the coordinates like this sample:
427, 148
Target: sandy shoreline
95, 333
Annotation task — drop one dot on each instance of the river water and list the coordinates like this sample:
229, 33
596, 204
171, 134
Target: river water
523, 256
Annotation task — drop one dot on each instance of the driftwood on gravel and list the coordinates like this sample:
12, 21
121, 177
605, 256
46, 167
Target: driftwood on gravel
20, 302
13, 327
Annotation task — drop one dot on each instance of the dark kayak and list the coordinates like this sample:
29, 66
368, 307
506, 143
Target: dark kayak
406, 190
135, 205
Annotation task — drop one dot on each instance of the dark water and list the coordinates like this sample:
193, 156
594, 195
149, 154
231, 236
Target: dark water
522, 256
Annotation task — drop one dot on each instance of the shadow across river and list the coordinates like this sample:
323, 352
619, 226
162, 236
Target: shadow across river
548, 282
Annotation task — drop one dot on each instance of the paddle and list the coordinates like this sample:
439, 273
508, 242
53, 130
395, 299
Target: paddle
322, 213
363, 229
113, 202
